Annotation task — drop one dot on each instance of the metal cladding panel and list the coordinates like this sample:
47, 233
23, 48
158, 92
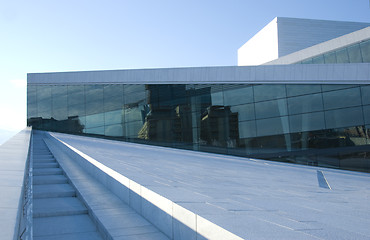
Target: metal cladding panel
356, 73
297, 34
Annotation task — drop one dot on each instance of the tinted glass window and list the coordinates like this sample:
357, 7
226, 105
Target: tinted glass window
76, 110
113, 117
342, 98
367, 114
346, 117
365, 92
271, 108
76, 95
97, 130
238, 96
330, 58
354, 54
318, 60
272, 126
94, 120
268, 92
304, 104
31, 94
342, 56
114, 130
307, 122
247, 129
245, 111
365, 51
302, 89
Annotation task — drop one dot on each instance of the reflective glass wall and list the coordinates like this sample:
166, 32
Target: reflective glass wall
356, 53
322, 125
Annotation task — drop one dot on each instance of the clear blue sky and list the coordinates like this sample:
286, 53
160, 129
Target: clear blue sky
44, 36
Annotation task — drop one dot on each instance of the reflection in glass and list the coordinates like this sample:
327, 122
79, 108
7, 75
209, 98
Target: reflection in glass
344, 117
342, 56
302, 89
271, 108
307, 103
365, 92
238, 96
354, 54
272, 126
95, 120
307, 122
365, 50
269, 92
76, 95
245, 120
342, 98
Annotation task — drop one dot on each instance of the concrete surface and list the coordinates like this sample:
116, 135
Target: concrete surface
253, 199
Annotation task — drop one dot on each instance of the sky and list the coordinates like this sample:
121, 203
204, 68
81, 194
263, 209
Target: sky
78, 35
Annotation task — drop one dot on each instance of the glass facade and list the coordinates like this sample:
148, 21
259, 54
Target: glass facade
356, 53
321, 125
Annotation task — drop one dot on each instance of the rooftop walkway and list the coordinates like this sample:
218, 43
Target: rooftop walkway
194, 195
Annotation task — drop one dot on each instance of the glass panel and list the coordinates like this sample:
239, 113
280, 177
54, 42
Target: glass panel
76, 110
113, 117
59, 90
365, 92
344, 117
94, 93
268, 92
354, 54
132, 129
94, 107
329, 87
342, 98
113, 90
43, 92
113, 102
60, 113
245, 112
272, 126
307, 122
114, 130
365, 51
367, 114
271, 108
95, 120
238, 96
98, 130
247, 129
31, 94
342, 56
318, 60
44, 106
217, 99
31, 110
307, 103
330, 58
307, 61
76, 95
302, 89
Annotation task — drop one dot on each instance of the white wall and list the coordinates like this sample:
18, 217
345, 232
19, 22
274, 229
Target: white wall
261, 48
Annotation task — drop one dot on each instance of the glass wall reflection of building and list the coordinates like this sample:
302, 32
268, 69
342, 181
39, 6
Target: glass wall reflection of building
315, 114
290, 122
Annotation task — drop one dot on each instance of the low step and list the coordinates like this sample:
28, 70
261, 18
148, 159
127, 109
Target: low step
49, 179
46, 165
63, 206
51, 226
47, 171
72, 236
53, 191
43, 160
